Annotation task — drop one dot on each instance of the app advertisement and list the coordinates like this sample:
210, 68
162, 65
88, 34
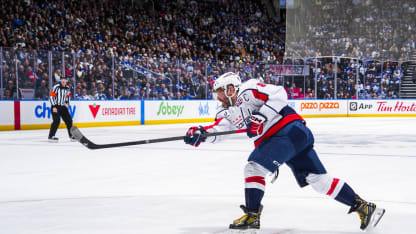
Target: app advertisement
382, 107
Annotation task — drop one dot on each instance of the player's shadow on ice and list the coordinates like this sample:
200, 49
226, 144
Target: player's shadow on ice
224, 230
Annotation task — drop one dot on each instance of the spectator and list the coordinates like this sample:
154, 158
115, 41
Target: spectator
84, 95
13, 89
186, 95
78, 93
126, 95
202, 89
57, 75
93, 95
101, 95
8, 94
42, 92
135, 95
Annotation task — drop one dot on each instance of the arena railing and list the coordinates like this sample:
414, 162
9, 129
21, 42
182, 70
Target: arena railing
29, 74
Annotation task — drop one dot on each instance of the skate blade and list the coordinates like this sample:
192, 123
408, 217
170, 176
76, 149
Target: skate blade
377, 215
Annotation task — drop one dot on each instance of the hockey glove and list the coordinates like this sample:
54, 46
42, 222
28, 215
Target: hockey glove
255, 124
194, 136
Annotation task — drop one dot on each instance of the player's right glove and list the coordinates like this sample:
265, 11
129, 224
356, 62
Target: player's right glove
255, 124
194, 136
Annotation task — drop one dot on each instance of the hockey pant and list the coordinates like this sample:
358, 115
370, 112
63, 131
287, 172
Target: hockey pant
292, 145
64, 113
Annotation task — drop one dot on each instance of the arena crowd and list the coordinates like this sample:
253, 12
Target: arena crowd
116, 50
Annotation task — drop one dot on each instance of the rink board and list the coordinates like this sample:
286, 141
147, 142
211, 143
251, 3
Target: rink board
166, 112
7, 115
36, 114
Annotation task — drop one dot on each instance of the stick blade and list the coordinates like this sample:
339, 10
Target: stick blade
76, 133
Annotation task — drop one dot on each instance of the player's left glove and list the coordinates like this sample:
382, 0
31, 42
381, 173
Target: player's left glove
194, 136
255, 124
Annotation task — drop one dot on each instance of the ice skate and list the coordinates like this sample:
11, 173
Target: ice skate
369, 214
248, 223
53, 139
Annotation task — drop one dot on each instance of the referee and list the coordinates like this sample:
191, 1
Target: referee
59, 98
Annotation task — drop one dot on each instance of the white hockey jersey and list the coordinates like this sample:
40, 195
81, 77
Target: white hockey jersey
254, 96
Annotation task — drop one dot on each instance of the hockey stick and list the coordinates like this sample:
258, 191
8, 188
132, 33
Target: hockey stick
91, 145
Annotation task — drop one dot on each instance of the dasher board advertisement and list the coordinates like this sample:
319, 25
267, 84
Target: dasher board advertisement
320, 108
180, 111
393, 107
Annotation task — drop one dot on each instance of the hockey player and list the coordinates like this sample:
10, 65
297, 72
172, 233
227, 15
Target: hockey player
280, 136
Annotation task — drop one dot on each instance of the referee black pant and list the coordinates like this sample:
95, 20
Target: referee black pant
56, 116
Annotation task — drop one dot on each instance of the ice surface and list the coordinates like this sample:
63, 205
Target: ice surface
174, 188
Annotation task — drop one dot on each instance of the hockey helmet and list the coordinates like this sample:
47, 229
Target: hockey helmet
224, 81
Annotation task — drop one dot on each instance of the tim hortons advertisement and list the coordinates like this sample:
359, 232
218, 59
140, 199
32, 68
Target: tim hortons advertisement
180, 110
321, 107
382, 107
107, 111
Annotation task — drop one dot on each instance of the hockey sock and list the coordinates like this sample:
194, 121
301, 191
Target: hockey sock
253, 199
333, 187
254, 185
346, 195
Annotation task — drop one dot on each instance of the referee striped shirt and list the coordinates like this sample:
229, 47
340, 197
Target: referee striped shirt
59, 96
